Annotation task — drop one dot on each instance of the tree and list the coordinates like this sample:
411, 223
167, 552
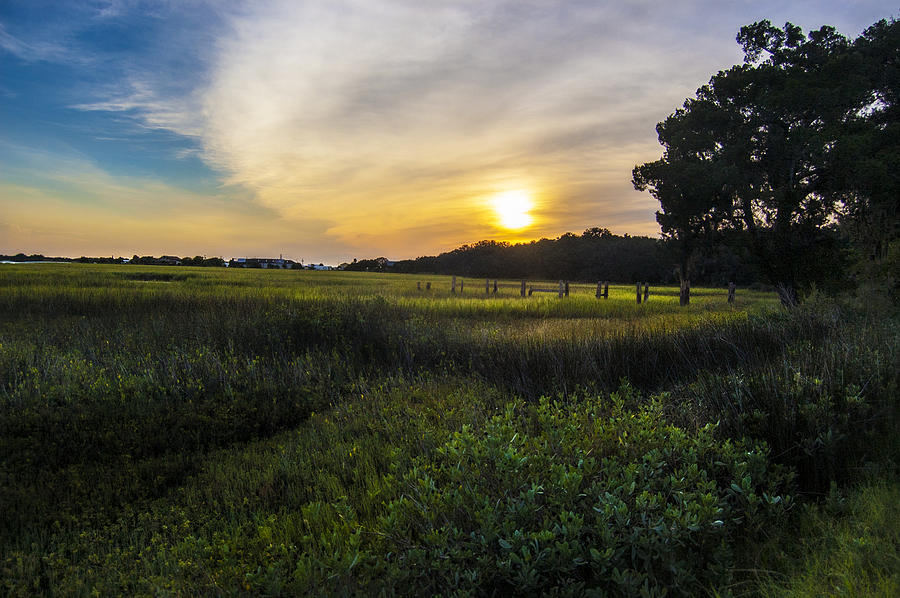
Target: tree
870, 156
756, 151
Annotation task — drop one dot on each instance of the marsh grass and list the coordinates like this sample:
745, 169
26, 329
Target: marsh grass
196, 431
849, 545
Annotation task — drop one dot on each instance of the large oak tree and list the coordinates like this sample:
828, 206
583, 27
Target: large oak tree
762, 150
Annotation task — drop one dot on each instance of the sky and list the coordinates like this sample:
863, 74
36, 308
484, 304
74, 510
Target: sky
330, 130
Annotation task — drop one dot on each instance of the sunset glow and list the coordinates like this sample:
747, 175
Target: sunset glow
512, 209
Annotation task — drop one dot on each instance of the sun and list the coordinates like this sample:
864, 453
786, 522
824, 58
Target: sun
512, 209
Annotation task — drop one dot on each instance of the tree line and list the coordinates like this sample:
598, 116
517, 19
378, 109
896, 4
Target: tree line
596, 254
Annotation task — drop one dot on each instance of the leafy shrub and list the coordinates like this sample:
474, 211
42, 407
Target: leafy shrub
579, 497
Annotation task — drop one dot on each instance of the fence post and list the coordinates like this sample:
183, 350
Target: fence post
495, 287
599, 289
685, 297
638, 290
427, 286
460, 286
453, 286
731, 290
646, 291
561, 289
487, 286
567, 288
418, 286
606, 290
523, 288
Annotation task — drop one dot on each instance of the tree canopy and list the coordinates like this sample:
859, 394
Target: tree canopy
781, 149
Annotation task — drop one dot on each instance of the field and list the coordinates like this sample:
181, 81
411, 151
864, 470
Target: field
200, 431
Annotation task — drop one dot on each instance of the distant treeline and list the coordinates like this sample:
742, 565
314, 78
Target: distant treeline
596, 254
35, 257
147, 260
168, 260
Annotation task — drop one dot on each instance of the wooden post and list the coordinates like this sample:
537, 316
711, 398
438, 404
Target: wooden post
530, 291
685, 297
427, 286
599, 289
606, 290
646, 291
453, 286
418, 286
638, 290
523, 288
495, 287
567, 288
731, 292
561, 289
460, 286
487, 286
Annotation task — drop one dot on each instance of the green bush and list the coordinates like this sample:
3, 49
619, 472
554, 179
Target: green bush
579, 497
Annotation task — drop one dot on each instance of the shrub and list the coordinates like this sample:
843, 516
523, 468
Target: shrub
579, 497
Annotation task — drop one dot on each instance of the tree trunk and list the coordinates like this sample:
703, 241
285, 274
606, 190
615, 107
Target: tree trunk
684, 273
684, 298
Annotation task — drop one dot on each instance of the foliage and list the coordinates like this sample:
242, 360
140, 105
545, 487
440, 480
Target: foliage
870, 156
763, 148
850, 546
828, 410
596, 254
579, 497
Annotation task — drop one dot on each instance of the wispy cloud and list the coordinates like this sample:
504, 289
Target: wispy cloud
37, 50
386, 116
391, 110
68, 201
140, 99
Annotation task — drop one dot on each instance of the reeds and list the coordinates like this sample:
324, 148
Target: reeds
190, 430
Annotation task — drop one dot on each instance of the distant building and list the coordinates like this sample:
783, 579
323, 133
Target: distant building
261, 262
170, 260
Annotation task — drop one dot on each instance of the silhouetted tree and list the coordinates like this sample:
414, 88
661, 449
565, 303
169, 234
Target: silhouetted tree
757, 150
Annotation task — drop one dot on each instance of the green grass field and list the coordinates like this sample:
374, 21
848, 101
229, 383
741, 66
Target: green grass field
197, 431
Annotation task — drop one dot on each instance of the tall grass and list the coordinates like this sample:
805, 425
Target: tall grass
181, 430
846, 545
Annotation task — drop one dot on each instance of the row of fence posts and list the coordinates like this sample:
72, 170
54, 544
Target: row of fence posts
563, 289
684, 294
646, 292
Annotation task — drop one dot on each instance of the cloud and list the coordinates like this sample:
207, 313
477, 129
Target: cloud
38, 50
367, 109
153, 110
66, 204
389, 120
383, 116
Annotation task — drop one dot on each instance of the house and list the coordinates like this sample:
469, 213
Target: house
261, 262
170, 260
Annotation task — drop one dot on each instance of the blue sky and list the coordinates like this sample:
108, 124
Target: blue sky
330, 130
